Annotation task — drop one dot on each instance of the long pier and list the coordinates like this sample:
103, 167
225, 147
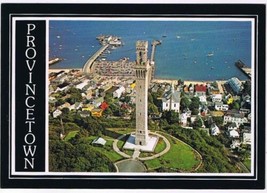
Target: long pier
246, 70
88, 65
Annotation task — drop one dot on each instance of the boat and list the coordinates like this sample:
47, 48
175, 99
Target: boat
210, 54
178, 37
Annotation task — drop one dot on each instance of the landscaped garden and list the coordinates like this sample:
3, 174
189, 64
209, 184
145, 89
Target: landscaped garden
180, 157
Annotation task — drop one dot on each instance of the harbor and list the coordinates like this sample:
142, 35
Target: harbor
107, 41
123, 67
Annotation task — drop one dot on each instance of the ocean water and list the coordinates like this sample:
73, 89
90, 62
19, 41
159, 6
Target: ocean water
190, 50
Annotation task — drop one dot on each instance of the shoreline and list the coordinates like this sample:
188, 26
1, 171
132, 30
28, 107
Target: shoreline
156, 80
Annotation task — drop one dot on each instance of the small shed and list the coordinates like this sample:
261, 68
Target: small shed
99, 141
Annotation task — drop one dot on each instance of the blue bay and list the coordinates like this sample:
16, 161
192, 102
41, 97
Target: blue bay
190, 50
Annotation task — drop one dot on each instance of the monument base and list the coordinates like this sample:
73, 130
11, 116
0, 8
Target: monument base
149, 147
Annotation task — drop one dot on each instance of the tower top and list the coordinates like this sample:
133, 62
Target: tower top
142, 44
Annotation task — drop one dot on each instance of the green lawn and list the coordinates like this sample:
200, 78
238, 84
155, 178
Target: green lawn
247, 163
161, 145
109, 152
107, 149
180, 157
70, 135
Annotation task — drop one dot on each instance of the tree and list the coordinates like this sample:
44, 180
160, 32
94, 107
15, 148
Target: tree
65, 111
152, 109
171, 116
59, 102
218, 120
195, 102
185, 103
195, 112
236, 105
198, 123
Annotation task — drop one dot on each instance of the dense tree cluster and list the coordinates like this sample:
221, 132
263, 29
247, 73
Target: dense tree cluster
77, 154
82, 157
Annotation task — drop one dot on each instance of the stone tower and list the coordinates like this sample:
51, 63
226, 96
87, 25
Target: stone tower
143, 76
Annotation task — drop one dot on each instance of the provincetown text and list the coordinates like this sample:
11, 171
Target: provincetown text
30, 88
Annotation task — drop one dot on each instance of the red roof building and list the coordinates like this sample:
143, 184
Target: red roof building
104, 105
200, 88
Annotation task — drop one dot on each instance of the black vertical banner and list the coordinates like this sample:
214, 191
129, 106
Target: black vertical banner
30, 78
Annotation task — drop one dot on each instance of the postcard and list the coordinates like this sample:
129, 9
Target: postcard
133, 96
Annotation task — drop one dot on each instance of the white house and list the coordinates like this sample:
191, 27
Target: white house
171, 101
216, 98
56, 113
219, 106
203, 99
183, 119
117, 93
233, 134
246, 139
235, 143
235, 117
214, 130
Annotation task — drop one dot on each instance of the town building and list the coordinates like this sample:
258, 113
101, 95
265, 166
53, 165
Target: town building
57, 113
97, 112
235, 84
216, 98
171, 101
118, 92
235, 117
200, 90
219, 106
246, 138
214, 129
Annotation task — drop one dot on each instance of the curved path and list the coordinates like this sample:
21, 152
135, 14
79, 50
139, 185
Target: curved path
168, 146
115, 147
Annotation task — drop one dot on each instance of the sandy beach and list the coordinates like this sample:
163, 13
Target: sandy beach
62, 69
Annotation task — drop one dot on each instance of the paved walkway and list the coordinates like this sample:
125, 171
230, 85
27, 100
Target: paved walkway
137, 152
